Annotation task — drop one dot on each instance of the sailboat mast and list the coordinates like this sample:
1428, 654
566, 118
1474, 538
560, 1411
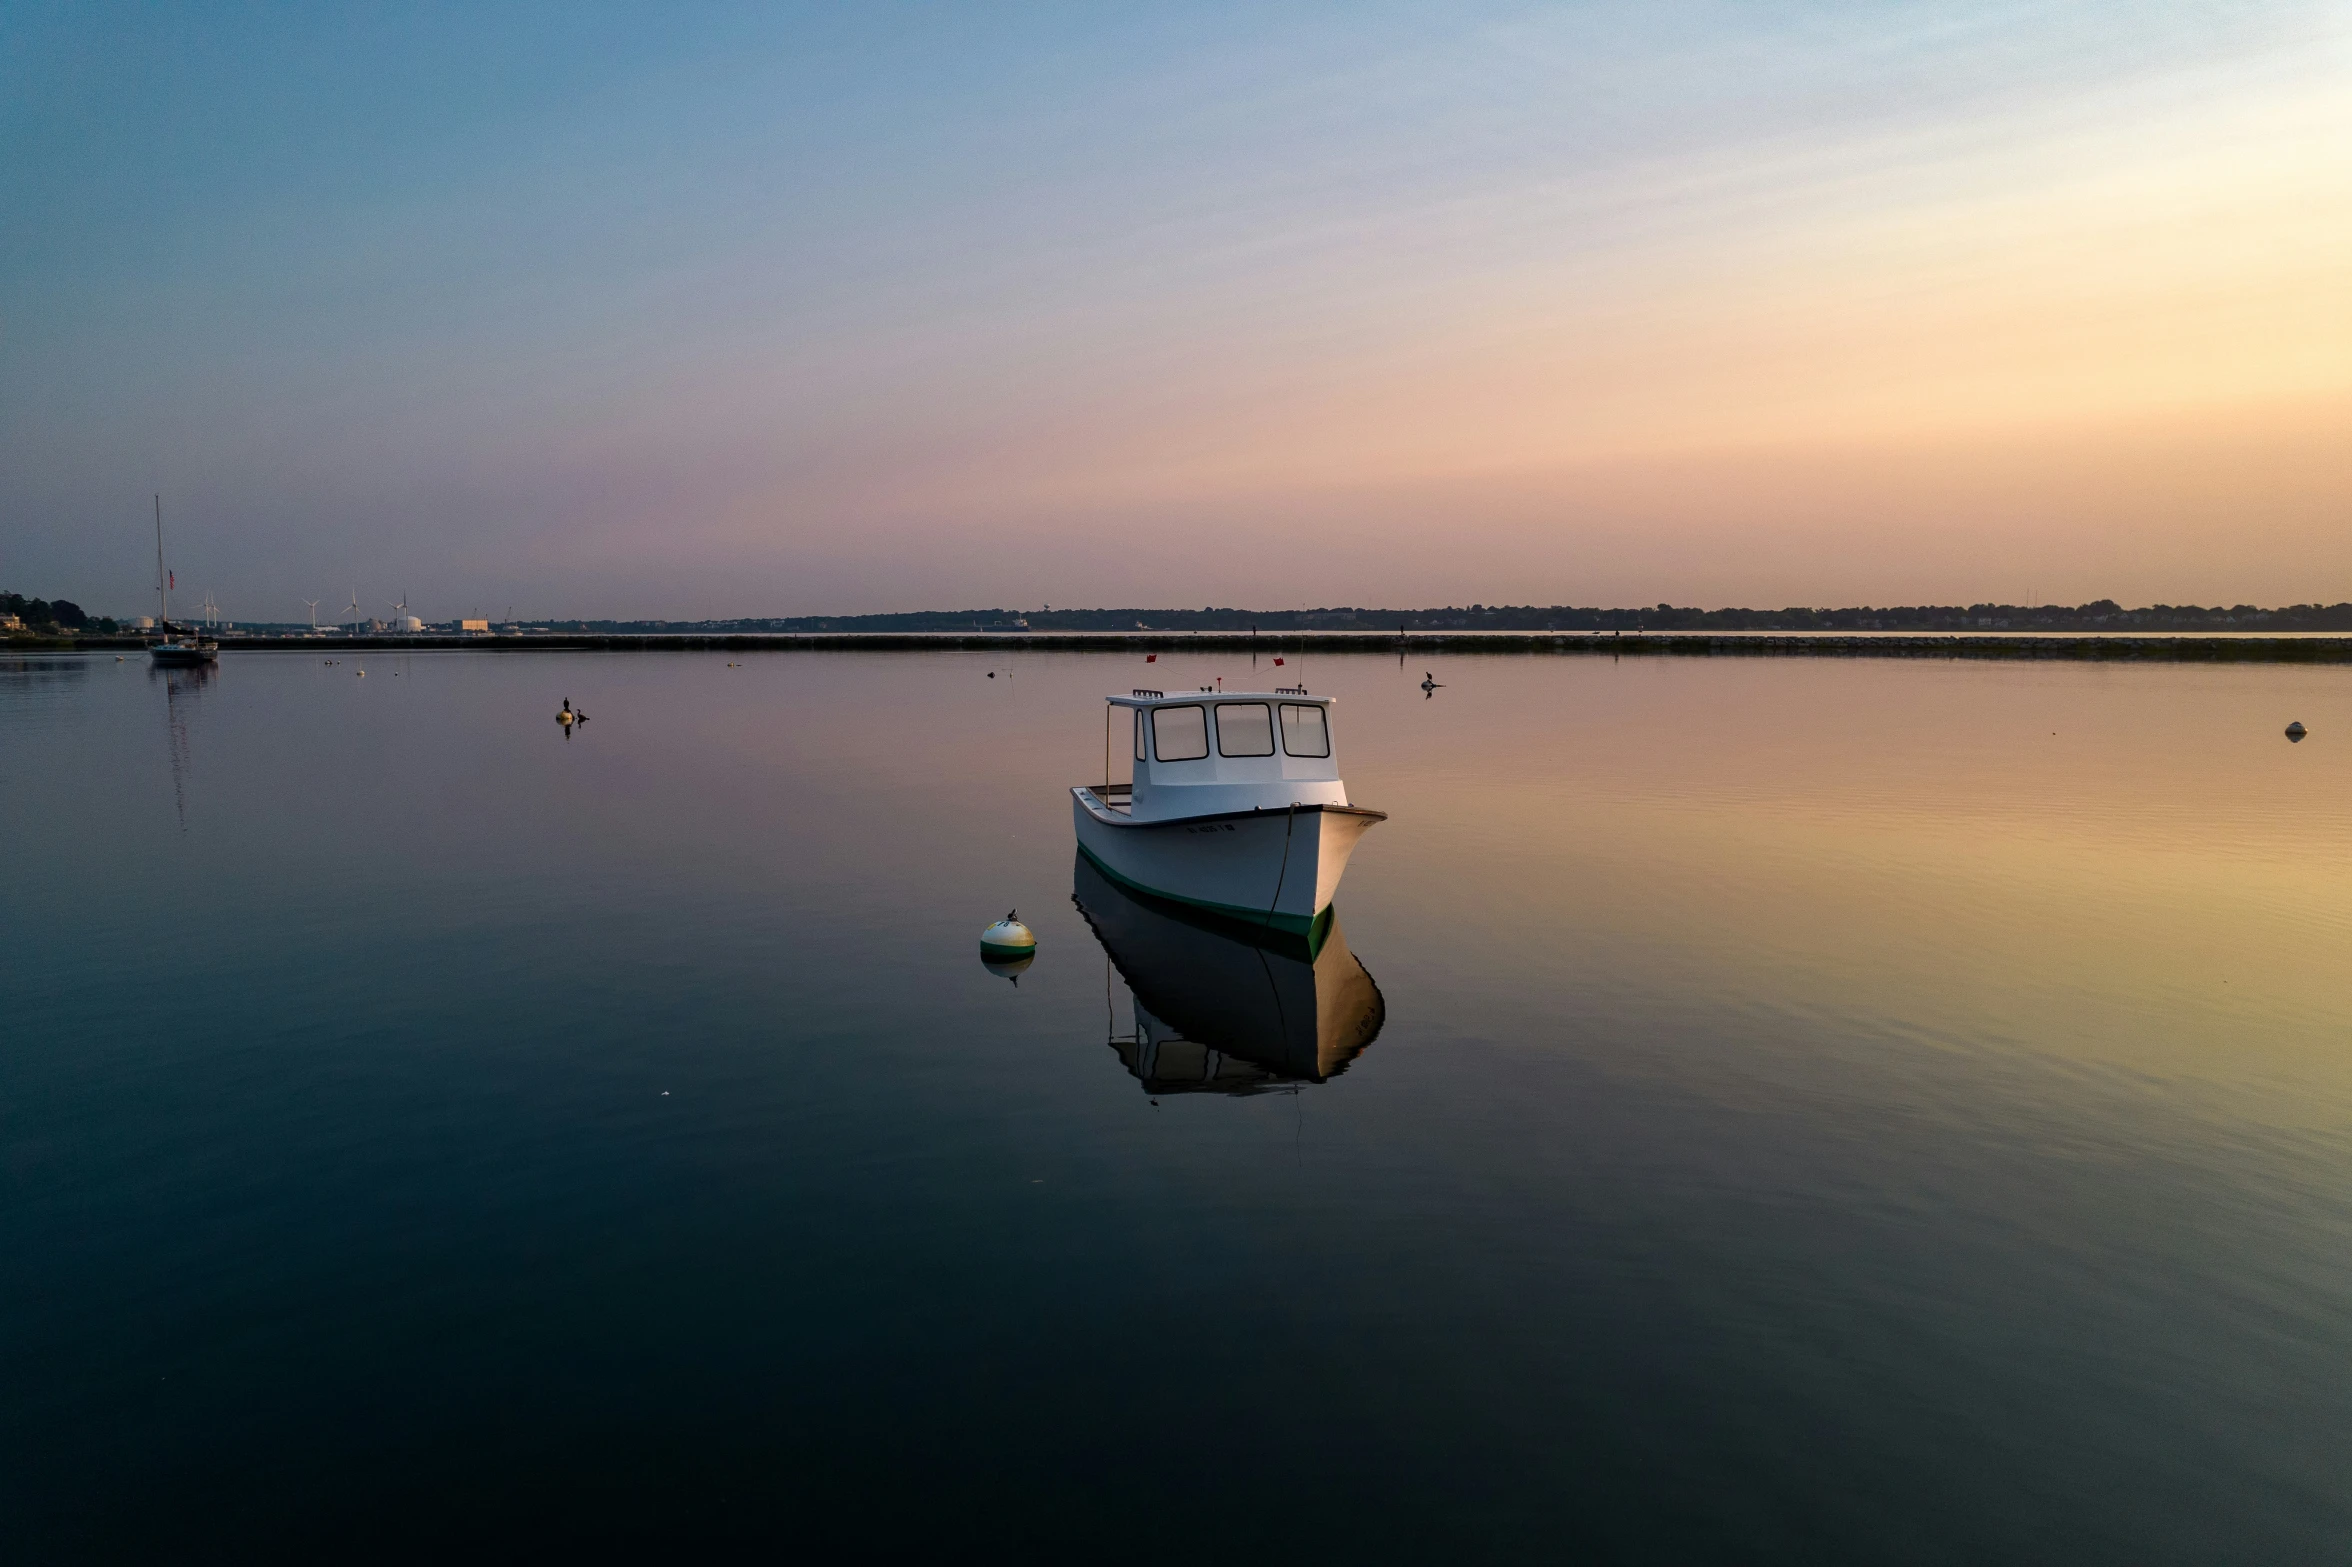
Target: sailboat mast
162, 605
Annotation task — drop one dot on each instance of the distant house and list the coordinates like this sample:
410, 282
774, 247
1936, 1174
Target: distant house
473, 628
12, 623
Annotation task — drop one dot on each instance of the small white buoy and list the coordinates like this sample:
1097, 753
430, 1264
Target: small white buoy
2296, 731
1007, 939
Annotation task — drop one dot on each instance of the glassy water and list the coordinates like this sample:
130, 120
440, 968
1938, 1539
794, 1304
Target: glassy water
1799, 1110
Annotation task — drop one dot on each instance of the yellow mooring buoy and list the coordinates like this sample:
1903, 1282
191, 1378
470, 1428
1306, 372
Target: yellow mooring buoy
1008, 946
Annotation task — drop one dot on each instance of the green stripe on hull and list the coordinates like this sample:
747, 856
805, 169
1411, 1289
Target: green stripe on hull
1310, 927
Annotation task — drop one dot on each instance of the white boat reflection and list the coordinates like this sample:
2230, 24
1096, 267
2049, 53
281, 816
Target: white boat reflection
1225, 1008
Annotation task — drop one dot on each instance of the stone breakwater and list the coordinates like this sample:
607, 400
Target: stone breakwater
2075, 645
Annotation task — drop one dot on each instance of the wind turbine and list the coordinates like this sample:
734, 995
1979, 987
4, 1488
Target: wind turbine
400, 614
352, 609
313, 605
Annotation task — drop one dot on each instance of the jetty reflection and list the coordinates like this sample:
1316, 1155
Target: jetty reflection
19, 670
1222, 1008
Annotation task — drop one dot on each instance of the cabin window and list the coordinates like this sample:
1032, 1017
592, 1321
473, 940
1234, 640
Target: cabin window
1139, 734
1244, 729
1303, 730
1180, 734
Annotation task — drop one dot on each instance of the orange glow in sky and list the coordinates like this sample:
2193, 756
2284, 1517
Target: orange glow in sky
1853, 304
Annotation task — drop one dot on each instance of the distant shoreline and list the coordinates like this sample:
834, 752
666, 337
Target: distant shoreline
2171, 647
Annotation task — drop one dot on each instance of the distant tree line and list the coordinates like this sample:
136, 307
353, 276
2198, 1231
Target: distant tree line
64, 617
53, 616
2101, 615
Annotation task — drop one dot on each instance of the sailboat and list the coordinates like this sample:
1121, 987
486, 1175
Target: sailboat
178, 648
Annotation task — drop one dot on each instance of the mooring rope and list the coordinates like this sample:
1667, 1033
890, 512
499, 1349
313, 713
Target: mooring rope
1289, 820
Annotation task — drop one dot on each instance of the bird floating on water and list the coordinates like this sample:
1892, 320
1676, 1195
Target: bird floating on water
1430, 682
2296, 731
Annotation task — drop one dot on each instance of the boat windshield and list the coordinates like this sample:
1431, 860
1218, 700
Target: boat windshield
1244, 729
1180, 734
1304, 732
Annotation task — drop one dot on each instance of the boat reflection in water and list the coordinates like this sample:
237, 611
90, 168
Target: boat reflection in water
1225, 1008
183, 684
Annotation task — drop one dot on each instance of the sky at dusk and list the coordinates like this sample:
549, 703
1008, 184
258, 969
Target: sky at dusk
690, 311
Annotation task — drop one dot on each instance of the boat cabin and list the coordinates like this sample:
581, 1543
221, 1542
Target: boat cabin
1201, 752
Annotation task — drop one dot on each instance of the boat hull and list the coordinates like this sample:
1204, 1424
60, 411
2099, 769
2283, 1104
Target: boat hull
182, 657
1278, 869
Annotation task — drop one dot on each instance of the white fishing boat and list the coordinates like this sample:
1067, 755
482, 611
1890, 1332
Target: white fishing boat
1236, 806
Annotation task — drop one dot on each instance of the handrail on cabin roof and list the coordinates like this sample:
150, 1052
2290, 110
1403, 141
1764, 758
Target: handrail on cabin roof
1144, 697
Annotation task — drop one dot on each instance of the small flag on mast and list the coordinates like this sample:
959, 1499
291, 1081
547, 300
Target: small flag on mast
1278, 663
174, 579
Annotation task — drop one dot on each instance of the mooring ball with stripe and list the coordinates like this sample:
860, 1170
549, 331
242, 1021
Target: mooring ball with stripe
1008, 938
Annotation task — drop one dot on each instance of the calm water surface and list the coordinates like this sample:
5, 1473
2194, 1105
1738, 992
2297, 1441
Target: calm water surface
1815, 1110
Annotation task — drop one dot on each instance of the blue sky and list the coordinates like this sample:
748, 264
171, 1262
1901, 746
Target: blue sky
679, 311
